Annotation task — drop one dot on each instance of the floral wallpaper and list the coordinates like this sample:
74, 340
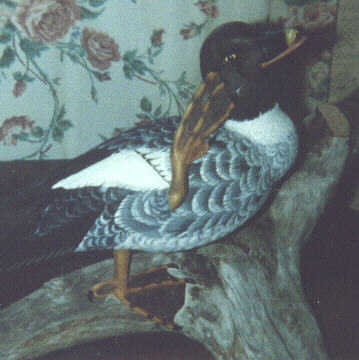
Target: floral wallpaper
74, 72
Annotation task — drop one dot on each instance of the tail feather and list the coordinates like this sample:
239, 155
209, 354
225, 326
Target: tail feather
21, 211
21, 245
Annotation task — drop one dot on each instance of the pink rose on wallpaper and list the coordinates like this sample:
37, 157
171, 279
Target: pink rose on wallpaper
156, 38
12, 124
19, 88
101, 49
312, 16
208, 8
190, 31
47, 20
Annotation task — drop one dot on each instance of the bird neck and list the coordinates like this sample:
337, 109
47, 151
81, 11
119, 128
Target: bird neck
269, 128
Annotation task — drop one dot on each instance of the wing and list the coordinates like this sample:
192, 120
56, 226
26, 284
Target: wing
139, 168
137, 159
227, 186
150, 136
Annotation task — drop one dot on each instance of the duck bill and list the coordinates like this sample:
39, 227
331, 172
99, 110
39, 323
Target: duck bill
209, 108
293, 43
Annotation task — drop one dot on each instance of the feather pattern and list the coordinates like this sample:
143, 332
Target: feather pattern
227, 186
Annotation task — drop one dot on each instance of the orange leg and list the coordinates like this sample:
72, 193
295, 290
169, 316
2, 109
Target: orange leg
118, 284
146, 281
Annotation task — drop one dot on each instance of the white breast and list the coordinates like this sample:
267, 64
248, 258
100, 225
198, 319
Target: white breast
268, 128
137, 170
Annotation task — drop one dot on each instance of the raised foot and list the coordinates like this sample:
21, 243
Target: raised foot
153, 293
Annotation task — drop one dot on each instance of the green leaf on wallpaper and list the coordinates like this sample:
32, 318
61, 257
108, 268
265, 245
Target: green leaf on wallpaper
151, 53
94, 94
18, 75
32, 48
133, 64
64, 124
37, 132
142, 116
103, 137
5, 37
7, 57
61, 114
158, 111
58, 134
10, 27
75, 48
139, 66
96, 3
128, 71
146, 104
88, 14
162, 89
61, 125
101, 76
56, 81
9, 3
183, 94
300, 2
23, 136
182, 78
28, 78
130, 55
73, 57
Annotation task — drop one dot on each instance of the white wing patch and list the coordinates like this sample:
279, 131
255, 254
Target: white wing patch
137, 170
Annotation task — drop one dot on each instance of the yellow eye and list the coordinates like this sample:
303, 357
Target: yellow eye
230, 57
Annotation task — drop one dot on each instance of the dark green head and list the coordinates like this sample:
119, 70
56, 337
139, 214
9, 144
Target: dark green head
248, 58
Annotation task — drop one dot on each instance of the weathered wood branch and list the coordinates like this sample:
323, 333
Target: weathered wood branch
245, 300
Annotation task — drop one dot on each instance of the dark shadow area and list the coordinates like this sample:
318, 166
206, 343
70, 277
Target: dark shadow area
331, 281
17, 285
159, 346
330, 272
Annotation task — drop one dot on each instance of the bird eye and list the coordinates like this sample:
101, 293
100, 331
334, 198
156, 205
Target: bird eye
230, 58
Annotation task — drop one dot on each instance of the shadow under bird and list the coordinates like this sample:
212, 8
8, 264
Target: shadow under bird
175, 184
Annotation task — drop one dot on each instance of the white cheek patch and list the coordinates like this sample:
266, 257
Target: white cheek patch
130, 169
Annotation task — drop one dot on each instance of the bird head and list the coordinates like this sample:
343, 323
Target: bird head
251, 60
240, 64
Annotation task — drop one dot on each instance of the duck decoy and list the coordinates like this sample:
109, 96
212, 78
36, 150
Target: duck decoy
175, 184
